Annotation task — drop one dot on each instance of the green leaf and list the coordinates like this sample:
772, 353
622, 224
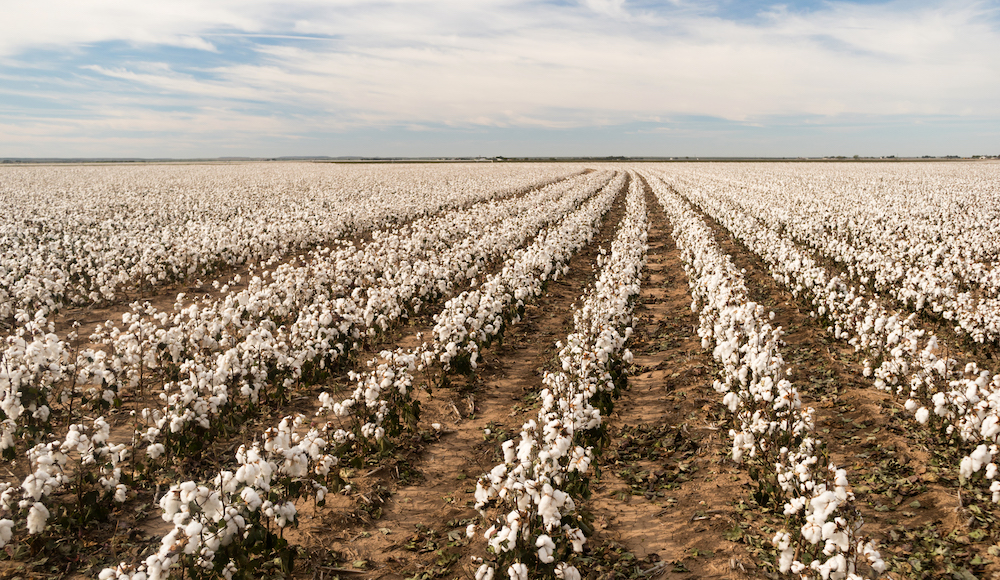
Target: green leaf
735, 534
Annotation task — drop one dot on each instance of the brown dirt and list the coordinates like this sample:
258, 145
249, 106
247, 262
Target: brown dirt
683, 505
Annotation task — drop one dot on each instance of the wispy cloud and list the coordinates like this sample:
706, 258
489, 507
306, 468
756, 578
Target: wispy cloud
257, 68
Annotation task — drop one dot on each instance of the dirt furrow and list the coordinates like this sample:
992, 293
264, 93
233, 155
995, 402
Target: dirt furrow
667, 495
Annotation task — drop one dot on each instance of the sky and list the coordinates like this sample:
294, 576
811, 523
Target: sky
260, 78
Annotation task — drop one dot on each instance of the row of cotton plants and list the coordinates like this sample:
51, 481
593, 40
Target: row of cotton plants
958, 397
476, 316
156, 343
772, 431
310, 298
326, 326
379, 408
233, 526
530, 501
92, 235
381, 398
931, 245
223, 380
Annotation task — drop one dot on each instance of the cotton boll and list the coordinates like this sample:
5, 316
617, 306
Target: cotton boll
6, 531
545, 547
518, 571
37, 518
565, 571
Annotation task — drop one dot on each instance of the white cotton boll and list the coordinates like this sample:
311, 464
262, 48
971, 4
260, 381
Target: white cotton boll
508, 451
785, 560
193, 529
731, 401
567, 572
812, 532
518, 571
252, 498
980, 457
6, 531
794, 505
37, 518
991, 471
782, 541
436, 426
155, 450
990, 427
577, 538
485, 572
922, 415
121, 493
545, 547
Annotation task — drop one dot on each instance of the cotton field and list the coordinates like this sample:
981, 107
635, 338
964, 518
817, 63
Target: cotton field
500, 370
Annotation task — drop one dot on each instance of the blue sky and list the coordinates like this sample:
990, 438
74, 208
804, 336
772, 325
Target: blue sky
106, 78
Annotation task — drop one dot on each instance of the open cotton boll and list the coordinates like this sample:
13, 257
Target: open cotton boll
6, 531
485, 572
38, 517
545, 547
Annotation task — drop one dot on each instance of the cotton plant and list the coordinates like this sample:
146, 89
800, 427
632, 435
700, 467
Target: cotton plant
79, 236
530, 501
86, 463
222, 527
32, 363
773, 431
959, 400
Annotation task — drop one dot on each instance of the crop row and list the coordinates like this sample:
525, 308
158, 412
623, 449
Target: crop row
531, 499
92, 235
773, 433
930, 245
251, 505
959, 398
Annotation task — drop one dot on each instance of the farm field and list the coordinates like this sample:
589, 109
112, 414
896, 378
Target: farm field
683, 370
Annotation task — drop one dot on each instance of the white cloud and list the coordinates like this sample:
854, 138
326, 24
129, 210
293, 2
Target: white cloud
514, 63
